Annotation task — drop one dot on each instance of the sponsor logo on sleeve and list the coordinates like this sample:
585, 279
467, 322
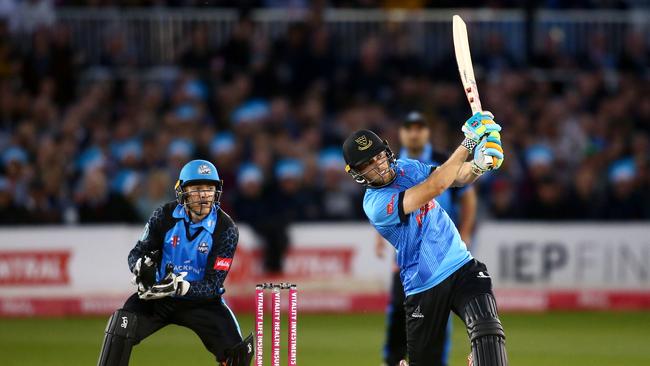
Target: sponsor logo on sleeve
222, 264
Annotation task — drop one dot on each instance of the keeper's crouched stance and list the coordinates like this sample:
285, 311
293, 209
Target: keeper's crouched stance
437, 271
179, 265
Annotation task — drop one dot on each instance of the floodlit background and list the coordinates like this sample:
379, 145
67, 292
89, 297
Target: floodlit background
102, 102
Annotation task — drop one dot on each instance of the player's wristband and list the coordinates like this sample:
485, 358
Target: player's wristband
469, 144
476, 170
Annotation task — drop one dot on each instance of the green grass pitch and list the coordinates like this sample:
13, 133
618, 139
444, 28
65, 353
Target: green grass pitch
592, 338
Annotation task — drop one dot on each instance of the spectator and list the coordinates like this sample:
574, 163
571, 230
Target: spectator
10, 212
97, 204
255, 207
624, 200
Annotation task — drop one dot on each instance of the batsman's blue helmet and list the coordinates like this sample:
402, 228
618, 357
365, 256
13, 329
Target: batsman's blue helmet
198, 172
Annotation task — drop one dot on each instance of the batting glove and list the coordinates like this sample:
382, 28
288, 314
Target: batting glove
488, 155
480, 124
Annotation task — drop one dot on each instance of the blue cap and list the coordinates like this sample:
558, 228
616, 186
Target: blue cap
14, 153
125, 181
250, 111
289, 168
91, 158
223, 142
195, 89
249, 172
622, 170
180, 147
131, 147
186, 112
198, 170
539, 154
331, 157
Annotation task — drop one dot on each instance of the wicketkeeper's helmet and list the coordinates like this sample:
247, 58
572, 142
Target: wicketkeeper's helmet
198, 172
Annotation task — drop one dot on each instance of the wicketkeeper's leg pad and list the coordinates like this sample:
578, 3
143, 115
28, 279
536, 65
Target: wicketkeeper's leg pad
241, 354
485, 332
119, 339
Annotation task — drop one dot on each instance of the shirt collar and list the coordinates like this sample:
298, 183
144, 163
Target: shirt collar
208, 223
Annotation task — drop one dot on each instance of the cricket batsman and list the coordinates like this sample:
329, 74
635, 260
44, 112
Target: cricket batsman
458, 202
180, 264
437, 271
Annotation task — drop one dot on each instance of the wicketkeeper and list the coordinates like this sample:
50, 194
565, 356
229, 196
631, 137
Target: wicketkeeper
180, 264
437, 271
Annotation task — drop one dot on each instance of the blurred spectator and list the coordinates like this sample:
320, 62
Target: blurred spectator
156, 191
10, 212
502, 200
256, 207
97, 204
199, 54
624, 200
295, 201
584, 201
335, 202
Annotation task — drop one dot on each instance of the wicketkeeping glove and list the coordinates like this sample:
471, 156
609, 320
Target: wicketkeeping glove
488, 154
479, 125
144, 272
172, 285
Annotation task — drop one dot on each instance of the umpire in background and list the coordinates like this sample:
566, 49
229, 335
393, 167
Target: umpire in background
460, 205
180, 264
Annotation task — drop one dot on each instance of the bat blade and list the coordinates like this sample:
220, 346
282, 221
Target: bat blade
464, 61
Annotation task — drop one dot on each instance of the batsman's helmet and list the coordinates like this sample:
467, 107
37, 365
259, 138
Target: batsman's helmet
198, 172
359, 148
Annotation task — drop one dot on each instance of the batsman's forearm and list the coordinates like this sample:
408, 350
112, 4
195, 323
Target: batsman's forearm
437, 182
443, 177
465, 175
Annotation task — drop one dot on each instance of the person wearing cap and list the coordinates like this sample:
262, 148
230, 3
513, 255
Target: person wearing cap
252, 204
458, 202
437, 271
180, 264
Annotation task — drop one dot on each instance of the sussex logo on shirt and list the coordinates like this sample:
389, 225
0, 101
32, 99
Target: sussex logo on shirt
222, 264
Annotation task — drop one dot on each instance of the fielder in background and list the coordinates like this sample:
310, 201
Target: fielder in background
458, 202
437, 271
180, 264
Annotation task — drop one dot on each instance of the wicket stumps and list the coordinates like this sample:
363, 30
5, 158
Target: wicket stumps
276, 290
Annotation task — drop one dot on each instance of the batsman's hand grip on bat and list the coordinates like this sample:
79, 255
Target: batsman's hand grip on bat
488, 154
479, 125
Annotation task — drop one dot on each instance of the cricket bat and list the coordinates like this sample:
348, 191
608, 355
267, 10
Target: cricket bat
466, 69
464, 61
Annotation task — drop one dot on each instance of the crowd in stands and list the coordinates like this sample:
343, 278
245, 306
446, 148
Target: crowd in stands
272, 114
354, 4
